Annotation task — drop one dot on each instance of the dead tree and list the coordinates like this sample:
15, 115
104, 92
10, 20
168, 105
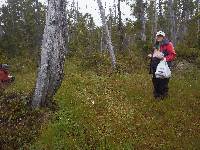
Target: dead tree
107, 34
154, 18
38, 25
172, 21
53, 53
143, 22
198, 20
155, 29
120, 26
139, 11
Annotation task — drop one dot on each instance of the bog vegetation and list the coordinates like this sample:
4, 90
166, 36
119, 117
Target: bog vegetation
97, 106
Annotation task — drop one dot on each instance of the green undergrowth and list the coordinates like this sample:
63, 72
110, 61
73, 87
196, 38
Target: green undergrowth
117, 111
102, 109
19, 124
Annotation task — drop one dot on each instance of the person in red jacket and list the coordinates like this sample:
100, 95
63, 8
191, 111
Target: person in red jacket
163, 50
5, 77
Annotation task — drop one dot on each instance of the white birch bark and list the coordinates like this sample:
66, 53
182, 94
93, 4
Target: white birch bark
107, 33
53, 54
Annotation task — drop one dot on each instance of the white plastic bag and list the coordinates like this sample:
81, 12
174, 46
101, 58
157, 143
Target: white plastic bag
162, 70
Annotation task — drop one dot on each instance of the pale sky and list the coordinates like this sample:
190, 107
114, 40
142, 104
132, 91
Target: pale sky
90, 6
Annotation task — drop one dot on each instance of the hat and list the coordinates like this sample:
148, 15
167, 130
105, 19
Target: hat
160, 33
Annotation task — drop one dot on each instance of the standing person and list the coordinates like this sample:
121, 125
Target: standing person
163, 50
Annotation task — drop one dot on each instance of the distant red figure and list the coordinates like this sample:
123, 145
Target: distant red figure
5, 77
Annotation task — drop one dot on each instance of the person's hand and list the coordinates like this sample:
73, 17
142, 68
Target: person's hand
160, 57
150, 55
164, 59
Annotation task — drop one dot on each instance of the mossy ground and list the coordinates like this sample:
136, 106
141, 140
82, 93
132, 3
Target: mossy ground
111, 110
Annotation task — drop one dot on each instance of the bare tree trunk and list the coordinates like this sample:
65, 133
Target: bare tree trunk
37, 20
120, 28
160, 8
50, 73
140, 15
198, 20
185, 17
107, 33
172, 21
115, 12
154, 19
110, 22
1, 30
143, 35
101, 43
11, 4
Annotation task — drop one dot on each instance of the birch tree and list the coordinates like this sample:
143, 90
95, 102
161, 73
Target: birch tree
50, 73
107, 34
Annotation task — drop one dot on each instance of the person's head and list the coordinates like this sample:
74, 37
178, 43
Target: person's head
160, 35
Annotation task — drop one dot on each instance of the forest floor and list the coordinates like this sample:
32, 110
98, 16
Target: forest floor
103, 111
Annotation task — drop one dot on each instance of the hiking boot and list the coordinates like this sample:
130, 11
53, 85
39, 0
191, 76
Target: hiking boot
164, 96
156, 95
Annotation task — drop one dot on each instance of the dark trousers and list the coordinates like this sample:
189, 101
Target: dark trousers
160, 87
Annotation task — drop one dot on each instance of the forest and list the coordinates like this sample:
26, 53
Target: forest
74, 84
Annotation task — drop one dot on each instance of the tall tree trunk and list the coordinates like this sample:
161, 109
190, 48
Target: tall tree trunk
160, 8
11, 4
107, 33
172, 21
101, 42
154, 19
198, 20
139, 11
1, 29
120, 26
115, 12
50, 73
110, 22
181, 21
38, 26
143, 23
185, 16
